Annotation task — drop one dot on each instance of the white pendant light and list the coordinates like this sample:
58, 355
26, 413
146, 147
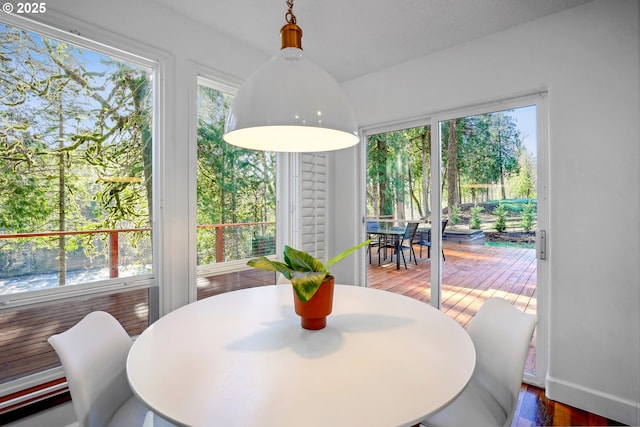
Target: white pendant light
290, 104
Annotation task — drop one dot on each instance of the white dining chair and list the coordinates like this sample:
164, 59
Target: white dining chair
501, 335
93, 355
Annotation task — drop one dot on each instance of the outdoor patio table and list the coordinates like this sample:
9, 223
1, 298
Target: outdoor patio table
241, 358
395, 233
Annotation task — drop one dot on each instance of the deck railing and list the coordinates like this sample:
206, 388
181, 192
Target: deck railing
235, 241
217, 243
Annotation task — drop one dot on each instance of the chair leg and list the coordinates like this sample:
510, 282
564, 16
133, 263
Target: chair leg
415, 259
443, 258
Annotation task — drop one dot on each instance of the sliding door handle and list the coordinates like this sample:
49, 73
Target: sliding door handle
542, 244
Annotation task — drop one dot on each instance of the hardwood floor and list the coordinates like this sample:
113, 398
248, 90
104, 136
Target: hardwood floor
534, 409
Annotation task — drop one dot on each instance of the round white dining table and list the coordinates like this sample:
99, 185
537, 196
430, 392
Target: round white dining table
242, 359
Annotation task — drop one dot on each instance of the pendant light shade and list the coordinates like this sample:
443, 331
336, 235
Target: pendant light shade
290, 104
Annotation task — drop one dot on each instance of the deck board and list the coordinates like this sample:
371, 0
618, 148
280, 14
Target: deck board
24, 348
471, 274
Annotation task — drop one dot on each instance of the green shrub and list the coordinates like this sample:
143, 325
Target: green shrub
455, 215
475, 217
527, 216
501, 213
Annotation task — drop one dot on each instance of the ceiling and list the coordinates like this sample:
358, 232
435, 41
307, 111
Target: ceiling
350, 38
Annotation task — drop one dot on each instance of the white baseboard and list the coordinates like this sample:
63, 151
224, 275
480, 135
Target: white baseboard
594, 401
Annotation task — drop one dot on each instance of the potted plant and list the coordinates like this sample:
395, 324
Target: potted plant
311, 280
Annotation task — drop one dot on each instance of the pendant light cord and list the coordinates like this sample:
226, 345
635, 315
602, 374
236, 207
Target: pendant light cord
289, 16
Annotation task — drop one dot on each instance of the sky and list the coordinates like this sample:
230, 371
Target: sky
526, 120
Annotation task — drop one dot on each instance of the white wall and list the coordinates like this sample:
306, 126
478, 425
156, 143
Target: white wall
588, 60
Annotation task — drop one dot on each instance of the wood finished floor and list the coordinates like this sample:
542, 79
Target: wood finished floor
534, 409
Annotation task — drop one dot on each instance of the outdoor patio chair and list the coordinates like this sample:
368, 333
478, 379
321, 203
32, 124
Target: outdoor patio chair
424, 239
375, 240
405, 243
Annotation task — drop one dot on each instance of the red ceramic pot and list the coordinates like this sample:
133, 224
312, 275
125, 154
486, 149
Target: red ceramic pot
314, 312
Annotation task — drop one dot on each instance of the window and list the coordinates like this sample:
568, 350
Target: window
236, 207
76, 192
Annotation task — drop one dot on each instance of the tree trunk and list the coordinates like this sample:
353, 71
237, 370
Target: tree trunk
410, 178
147, 161
62, 253
382, 182
425, 145
452, 168
375, 197
400, 189
268, 188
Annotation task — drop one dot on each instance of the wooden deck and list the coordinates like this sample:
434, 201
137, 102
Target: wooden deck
24, 349
471, 274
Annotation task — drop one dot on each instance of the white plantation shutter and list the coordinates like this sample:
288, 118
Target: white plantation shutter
313, 200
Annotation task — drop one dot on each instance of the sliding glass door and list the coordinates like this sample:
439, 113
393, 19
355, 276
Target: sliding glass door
476, 181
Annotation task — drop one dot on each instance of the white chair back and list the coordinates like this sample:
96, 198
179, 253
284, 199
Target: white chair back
93, 354
501, 335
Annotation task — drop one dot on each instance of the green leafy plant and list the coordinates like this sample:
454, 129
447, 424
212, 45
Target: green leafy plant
501, 221
305, 272
475, 217
527, 216
455, 215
